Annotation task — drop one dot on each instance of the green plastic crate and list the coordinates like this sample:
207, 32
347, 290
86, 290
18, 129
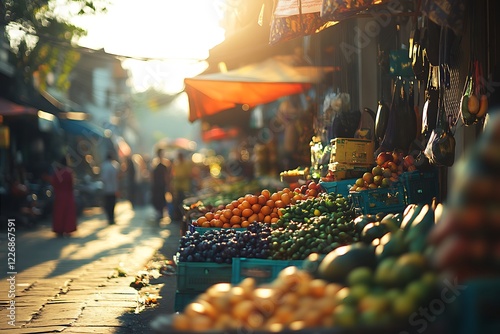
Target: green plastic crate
263, 270
182, 299
199, 276
385, 200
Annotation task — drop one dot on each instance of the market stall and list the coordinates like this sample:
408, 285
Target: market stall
369, 240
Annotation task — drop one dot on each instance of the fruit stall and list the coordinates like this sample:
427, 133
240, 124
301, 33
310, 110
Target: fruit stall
306, 260
311, 260
367, 238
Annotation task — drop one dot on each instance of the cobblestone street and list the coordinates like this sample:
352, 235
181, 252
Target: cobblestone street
78, 284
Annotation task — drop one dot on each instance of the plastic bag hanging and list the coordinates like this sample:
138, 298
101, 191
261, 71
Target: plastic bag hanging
440, 149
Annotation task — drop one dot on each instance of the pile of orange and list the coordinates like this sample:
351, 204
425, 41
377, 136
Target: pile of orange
264, 207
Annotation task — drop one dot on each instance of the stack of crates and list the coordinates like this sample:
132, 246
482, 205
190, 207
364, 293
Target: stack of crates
194, 278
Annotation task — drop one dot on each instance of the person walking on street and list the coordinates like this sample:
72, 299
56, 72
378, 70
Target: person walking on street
160, 183
109, 176
182, 178
64, 210
132, 183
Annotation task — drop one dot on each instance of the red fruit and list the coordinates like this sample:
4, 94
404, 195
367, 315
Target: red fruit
383, 157
397, 157
312, 185
392, 166
408, 161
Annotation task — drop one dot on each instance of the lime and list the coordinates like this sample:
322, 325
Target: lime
345, 316
384, 273
393, 293
375, 302
404, 305
360, 275
418, 289
359, 291
369, 318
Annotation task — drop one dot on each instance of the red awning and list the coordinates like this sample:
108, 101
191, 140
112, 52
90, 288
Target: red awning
8, 108
250, 85
217, 133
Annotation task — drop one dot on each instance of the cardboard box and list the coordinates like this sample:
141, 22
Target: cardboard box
352, 151
342, 171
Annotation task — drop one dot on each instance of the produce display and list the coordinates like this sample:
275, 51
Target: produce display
223, 193
220, 246
389, 165
315, 225
263, 207
376, 282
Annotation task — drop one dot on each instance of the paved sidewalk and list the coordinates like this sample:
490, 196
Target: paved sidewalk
71, 284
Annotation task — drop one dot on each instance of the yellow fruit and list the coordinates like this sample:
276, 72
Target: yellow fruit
360, 182
368, 177
377, 170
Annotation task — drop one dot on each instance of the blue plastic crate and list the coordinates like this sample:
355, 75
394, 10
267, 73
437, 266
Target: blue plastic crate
338, 187
182, 299
420, 187
262, 270
199, 276
385, 200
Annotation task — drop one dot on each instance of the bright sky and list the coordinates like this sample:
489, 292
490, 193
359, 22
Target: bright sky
179, 31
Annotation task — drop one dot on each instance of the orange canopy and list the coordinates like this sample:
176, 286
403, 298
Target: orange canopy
252, 85
8, 108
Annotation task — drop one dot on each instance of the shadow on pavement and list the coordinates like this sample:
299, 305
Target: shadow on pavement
93, 241
167, 286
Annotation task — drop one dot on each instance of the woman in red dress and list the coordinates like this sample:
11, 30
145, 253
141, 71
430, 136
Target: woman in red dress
64, 211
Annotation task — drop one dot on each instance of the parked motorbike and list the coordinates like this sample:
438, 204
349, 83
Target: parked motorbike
42, 197
19, 203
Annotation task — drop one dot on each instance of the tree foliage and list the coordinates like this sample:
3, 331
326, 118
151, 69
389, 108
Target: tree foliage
43, 38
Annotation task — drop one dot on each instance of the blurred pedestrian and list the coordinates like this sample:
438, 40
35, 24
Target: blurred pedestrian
131, 181
64, 210
160, 183
109, 177
181, 178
